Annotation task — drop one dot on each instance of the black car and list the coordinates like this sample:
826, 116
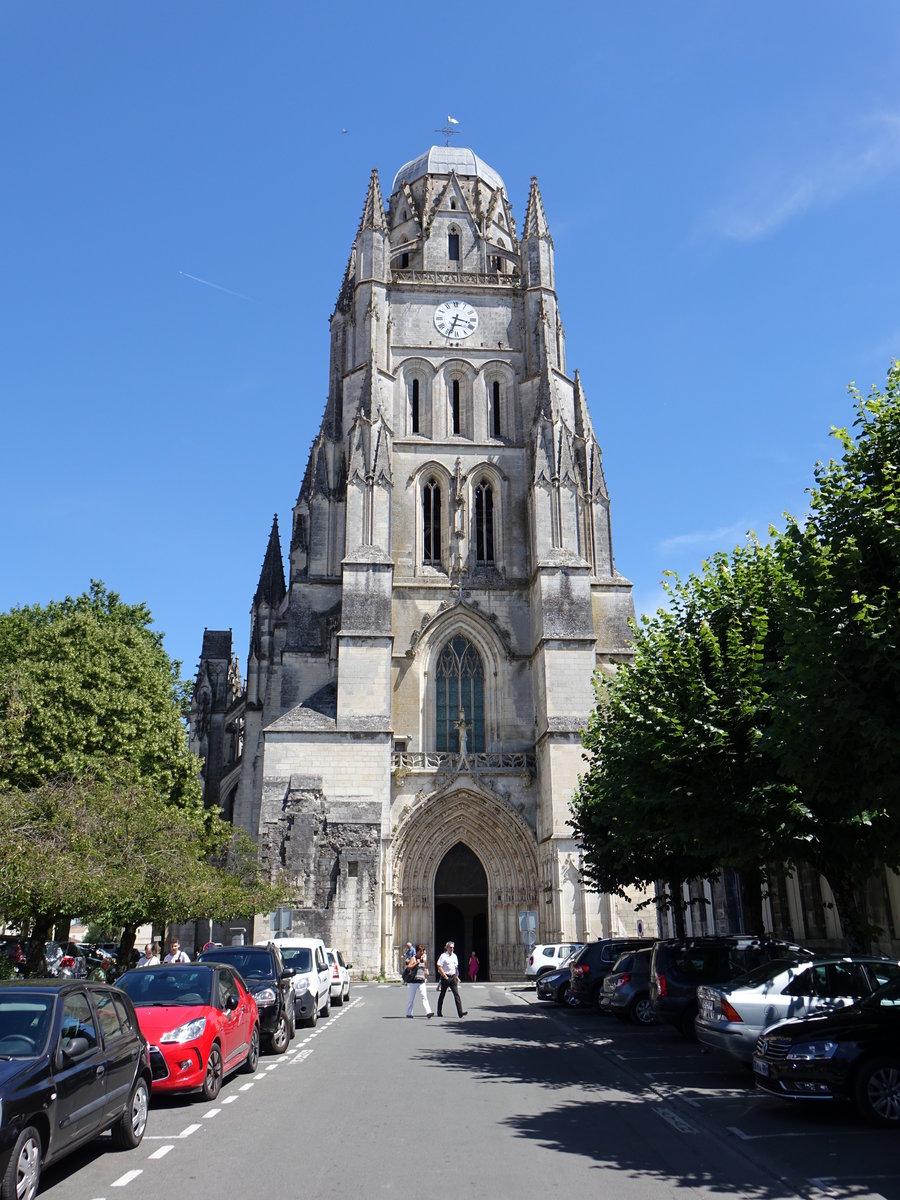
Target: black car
554, 985
679, 965
73, 1062
269, 982
851, 1054
592, 964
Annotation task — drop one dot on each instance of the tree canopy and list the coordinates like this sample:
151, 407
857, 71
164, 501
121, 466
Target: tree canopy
757, 723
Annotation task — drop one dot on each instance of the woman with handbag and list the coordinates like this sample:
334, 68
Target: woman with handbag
416, 976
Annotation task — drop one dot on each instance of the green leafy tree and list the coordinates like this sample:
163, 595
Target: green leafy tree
836, 731
680, 781
85, 685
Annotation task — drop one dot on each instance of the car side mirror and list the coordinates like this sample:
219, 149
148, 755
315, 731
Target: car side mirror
288, 973
75, 1047
349, 966
231, 1003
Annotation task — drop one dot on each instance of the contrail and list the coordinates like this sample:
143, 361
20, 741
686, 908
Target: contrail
217, 286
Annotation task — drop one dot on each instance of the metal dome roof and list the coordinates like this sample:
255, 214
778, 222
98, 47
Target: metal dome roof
441, 160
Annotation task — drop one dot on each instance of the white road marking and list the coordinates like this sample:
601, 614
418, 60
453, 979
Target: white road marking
187, 1132
213, 1112
274, 1067
229, 1099
763, 1137
672, 1118
126, 1178
245, 1087
161, 1152
260, 1075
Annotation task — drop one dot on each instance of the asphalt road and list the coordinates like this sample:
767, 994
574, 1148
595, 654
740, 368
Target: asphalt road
517, 1099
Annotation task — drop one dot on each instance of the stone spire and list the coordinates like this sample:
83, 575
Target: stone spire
373, 219
271, 589
535, 218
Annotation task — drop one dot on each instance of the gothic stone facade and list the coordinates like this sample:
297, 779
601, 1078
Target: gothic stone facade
409, 734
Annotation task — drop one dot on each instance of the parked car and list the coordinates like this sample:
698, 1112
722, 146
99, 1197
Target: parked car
73, 1062
554, 985
200, 1021
268, 980
592, 964
340, 976
308, 958
680, 965
548, 957
852, 1054
731, 1017
626, 989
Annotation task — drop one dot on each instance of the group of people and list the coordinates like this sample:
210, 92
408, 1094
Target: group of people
106, 970
416, 975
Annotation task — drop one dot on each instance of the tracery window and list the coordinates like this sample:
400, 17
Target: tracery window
484, 523
459, 681
431, 523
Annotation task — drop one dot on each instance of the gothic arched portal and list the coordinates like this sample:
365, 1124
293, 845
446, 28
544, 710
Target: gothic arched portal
433, 851
460, 908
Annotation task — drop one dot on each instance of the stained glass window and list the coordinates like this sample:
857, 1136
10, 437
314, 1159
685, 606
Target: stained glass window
459, 680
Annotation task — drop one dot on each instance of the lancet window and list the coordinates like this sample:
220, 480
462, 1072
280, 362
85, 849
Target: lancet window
459, 680
431, 523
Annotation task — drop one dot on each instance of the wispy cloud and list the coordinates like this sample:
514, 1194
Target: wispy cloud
860, 161
722, 538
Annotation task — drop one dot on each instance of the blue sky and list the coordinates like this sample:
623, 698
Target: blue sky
722, 183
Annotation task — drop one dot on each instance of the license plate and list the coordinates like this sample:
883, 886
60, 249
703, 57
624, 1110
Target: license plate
761, 1068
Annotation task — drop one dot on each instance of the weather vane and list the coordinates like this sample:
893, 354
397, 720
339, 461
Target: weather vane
448, 131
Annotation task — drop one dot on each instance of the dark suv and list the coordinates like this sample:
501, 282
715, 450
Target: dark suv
591, 965
269, 982
679, 965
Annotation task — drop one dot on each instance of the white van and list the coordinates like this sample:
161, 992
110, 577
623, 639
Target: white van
308, 959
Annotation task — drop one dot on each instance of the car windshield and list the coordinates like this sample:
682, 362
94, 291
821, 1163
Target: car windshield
25, 1023
163, 986
246, 960
298, 957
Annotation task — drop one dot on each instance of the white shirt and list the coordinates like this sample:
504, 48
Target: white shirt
151, 961
449, 964
176, 958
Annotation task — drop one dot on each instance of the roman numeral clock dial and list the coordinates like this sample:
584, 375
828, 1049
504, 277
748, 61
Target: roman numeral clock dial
455, 319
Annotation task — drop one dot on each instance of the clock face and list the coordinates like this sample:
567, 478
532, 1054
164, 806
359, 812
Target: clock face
455, 319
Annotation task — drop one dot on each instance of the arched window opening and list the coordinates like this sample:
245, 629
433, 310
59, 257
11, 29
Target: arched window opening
484, 523
460, 685
404, 260
453, 204
454, 392
495, 408
414, 406
453, 246
431, 527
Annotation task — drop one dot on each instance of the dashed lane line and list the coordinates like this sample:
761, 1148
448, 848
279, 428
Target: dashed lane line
125, 1179
162, 1151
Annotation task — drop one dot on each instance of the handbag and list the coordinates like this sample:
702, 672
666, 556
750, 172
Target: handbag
409, 975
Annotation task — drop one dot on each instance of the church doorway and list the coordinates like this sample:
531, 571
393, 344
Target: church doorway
461, 908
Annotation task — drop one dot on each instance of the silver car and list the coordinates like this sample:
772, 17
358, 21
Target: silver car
731, 1017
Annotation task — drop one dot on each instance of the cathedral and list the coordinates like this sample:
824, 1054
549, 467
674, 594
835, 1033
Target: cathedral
408, 736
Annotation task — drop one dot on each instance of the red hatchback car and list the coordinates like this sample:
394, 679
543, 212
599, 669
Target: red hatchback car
200, 1021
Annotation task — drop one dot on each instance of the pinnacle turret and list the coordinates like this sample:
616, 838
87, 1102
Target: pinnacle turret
535, 218
271, 589
373, 218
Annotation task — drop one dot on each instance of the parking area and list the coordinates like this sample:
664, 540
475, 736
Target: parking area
820, 1146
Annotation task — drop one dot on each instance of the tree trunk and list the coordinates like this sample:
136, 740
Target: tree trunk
850, 902
126, 945
677, 903
40, 933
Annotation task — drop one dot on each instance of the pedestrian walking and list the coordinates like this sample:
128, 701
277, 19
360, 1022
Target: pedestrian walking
418, 967
149, 958
448, 969
473, 967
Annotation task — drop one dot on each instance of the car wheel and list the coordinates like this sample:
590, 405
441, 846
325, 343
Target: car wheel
562, 994
597, 996
212, 1082
128, 1131
347, 993
339, 998
281, 1035
23, 1172
293, 1025
571, 1001
251, 1062
876, 1091
326, 1011
641, 1011
311, 1020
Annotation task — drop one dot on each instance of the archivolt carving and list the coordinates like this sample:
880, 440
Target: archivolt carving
502, 839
